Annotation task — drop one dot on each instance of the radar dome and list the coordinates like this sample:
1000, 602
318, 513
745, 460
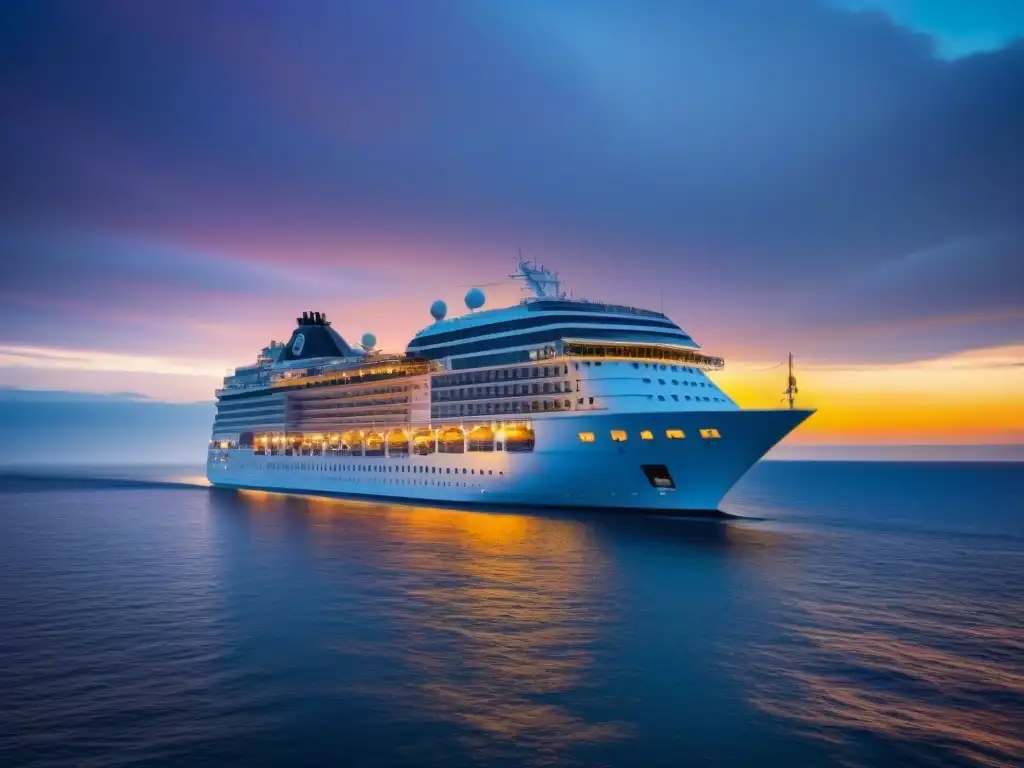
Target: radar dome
368, 341
438, 310
475, 298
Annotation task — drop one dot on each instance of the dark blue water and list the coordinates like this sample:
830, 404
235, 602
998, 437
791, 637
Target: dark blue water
871, 614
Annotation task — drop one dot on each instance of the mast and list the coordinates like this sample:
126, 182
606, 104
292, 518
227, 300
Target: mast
791, 390
539, 279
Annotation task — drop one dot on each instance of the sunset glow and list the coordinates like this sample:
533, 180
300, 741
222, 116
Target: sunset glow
850, 201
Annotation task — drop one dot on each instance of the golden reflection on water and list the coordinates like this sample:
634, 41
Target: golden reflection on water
924, 667
498, 614
200, 481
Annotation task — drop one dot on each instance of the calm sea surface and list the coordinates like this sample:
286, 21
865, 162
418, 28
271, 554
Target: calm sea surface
863, 614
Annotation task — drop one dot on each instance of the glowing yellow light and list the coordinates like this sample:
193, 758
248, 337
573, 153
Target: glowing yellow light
646, 434
619, 435
675, 434
587, 437
709, 433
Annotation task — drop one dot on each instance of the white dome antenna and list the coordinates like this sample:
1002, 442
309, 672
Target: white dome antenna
475, 299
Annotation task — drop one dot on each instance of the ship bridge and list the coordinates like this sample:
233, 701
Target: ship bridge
508, 336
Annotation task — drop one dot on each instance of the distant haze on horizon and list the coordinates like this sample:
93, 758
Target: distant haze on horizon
842, 179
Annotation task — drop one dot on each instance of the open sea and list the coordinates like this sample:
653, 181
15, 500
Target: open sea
856, 614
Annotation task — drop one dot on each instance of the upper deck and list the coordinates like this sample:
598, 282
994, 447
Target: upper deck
542, 326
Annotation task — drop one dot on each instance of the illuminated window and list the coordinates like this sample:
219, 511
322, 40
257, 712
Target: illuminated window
675, 434
618, 435
646, 435
586, 437
709, 433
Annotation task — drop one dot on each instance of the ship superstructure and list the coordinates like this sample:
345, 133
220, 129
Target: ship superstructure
551, 402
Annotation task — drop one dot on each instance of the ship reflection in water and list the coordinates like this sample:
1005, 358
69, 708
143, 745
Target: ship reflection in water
523, 630
502, 625
494, 616
867, 616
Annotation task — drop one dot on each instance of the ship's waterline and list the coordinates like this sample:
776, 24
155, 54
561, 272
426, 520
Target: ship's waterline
552, 402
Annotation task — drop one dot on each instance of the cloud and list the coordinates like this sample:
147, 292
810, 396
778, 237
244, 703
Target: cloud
182, 179
96, 360
958, 29
15, 395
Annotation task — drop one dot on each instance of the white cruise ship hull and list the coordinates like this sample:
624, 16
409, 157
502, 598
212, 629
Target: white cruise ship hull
561, 471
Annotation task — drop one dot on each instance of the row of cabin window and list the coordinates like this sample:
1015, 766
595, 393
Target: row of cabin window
382, 468
404, 481
525, 323
247, 406
350, 391
655, 366
500, 374
684, 383
507, 390
331, 405
620, 435
698, 398
522, 406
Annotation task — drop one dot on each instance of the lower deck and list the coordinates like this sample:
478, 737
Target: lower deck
647, 461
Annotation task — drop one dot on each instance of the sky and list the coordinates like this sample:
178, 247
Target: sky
840, 179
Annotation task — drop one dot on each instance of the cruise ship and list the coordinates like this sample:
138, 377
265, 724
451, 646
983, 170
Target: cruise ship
554, 402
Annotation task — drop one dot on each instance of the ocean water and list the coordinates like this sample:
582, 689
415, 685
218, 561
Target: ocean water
854, 614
